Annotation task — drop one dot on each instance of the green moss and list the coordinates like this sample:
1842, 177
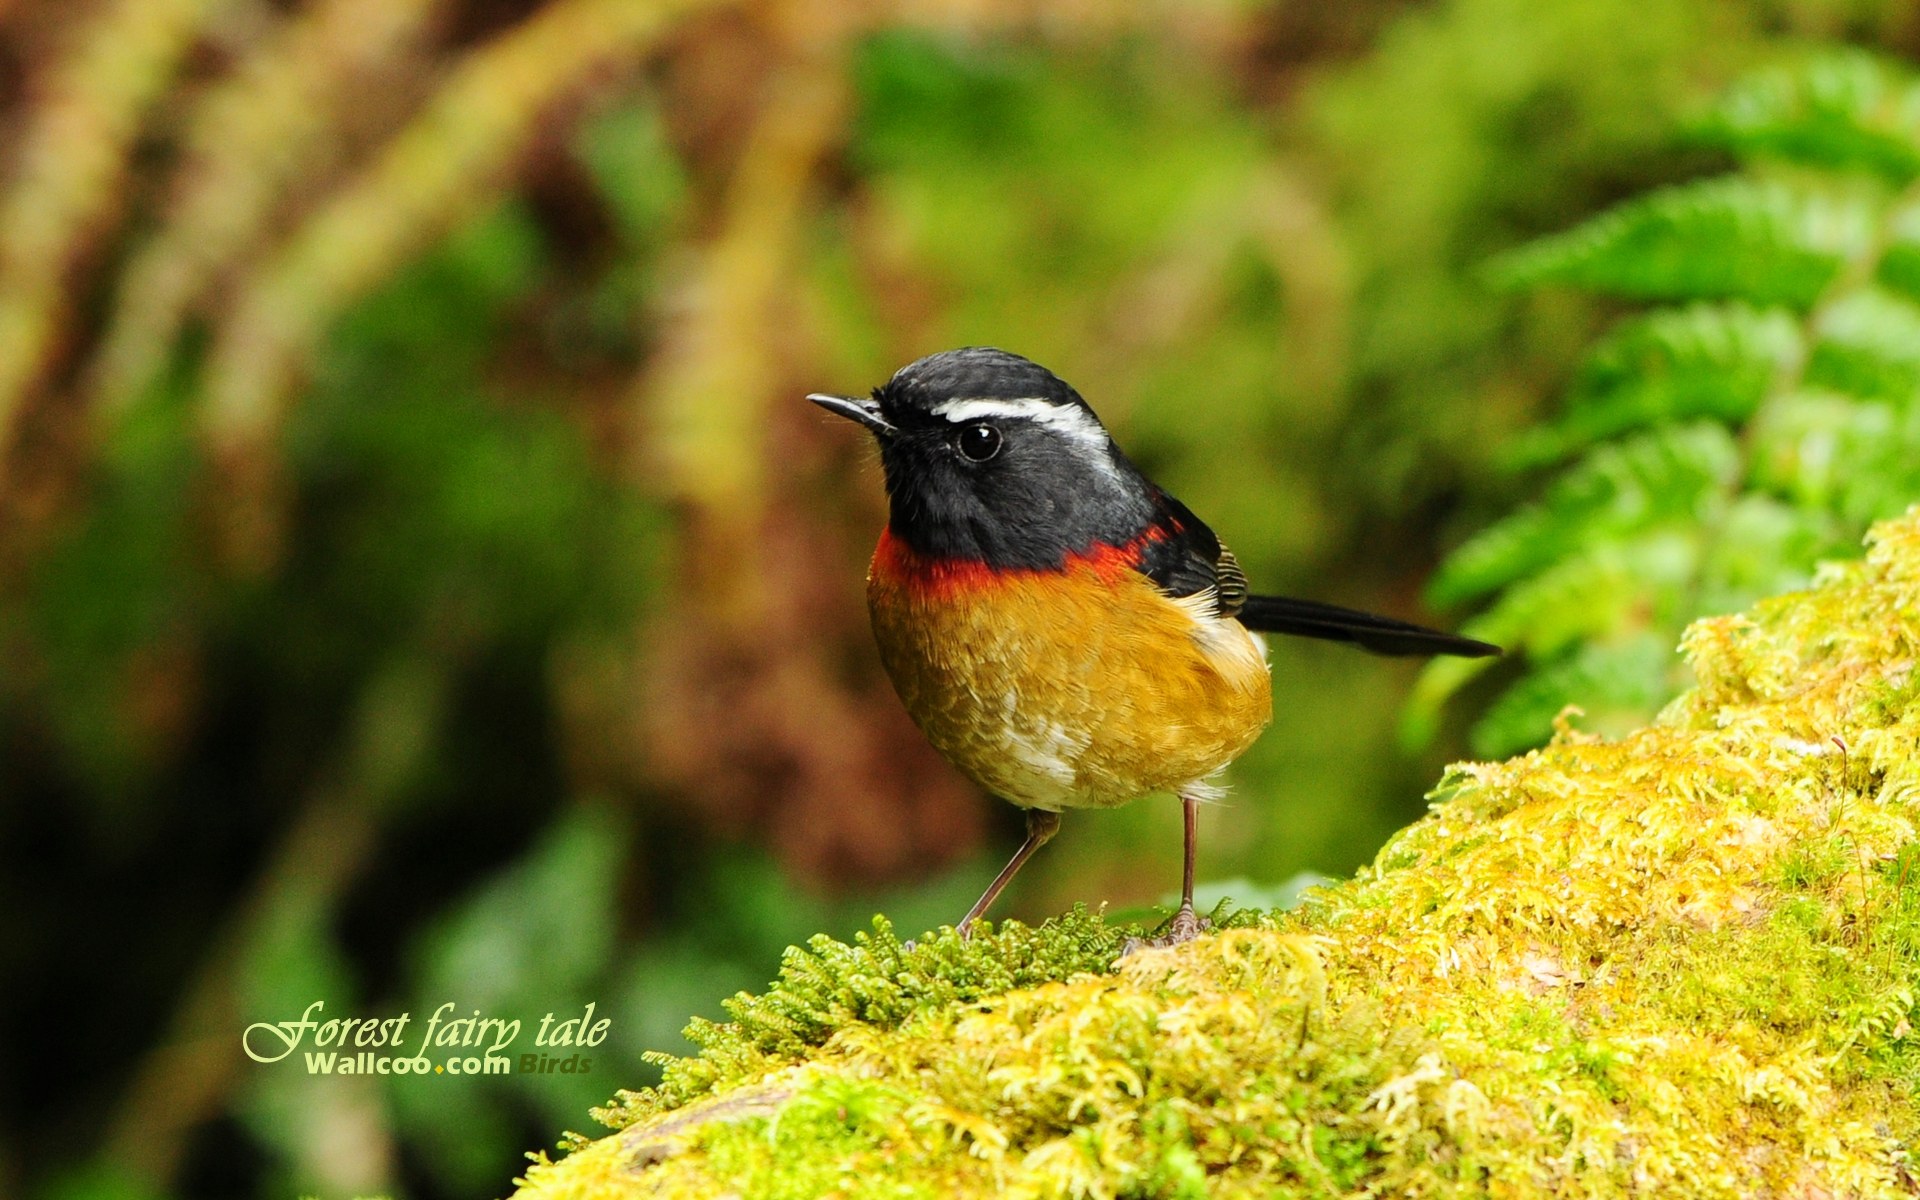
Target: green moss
1816, 864
878, 982
1681, 962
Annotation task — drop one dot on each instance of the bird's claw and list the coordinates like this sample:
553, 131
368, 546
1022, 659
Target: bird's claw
1185, 926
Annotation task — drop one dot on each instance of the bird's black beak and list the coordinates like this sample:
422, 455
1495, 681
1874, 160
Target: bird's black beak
867, 412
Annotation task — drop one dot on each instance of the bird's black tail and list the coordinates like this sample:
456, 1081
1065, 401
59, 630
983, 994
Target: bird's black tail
1382, 635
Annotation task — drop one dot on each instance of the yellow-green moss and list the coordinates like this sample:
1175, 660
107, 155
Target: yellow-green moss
1680, 963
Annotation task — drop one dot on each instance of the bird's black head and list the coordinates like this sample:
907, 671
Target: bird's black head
993, 458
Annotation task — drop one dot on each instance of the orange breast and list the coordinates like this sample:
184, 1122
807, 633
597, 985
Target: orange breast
1084, 687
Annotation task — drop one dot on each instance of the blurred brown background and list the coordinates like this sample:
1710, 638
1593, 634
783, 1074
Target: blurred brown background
421, 580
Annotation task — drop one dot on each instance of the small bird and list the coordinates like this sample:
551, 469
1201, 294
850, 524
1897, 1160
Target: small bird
1063, 631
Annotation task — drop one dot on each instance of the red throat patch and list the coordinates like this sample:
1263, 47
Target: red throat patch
897, 563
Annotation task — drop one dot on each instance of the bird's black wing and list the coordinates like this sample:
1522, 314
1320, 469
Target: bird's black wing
1185, 557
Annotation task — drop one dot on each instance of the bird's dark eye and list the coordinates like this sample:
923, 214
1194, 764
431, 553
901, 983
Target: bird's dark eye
979, 442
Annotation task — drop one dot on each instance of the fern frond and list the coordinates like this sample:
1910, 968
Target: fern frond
1899, 266
1762, 241
1705, 360
1663, 475
1869, 347
1728, 446
1845, 110
1589, 596
1828, 453
1593, 595
1763, 545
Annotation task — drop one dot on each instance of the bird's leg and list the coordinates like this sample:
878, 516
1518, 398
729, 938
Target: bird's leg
1041, 826
1186, 924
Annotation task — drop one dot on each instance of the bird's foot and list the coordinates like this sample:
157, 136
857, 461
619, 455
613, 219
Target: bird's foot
1185, 926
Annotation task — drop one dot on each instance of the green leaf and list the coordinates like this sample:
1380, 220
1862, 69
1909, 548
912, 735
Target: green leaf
1832, 454
1899, 268
1869, 346
1706, 360
1664, 475
1734, 238
1845, 110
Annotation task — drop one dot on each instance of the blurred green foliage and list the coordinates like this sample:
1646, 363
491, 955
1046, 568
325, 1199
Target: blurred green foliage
420, 581
1714, 451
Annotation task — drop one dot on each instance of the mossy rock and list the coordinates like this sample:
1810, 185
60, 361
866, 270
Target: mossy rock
1682, 963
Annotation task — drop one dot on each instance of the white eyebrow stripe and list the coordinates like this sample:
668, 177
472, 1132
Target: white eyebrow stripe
1069, 419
